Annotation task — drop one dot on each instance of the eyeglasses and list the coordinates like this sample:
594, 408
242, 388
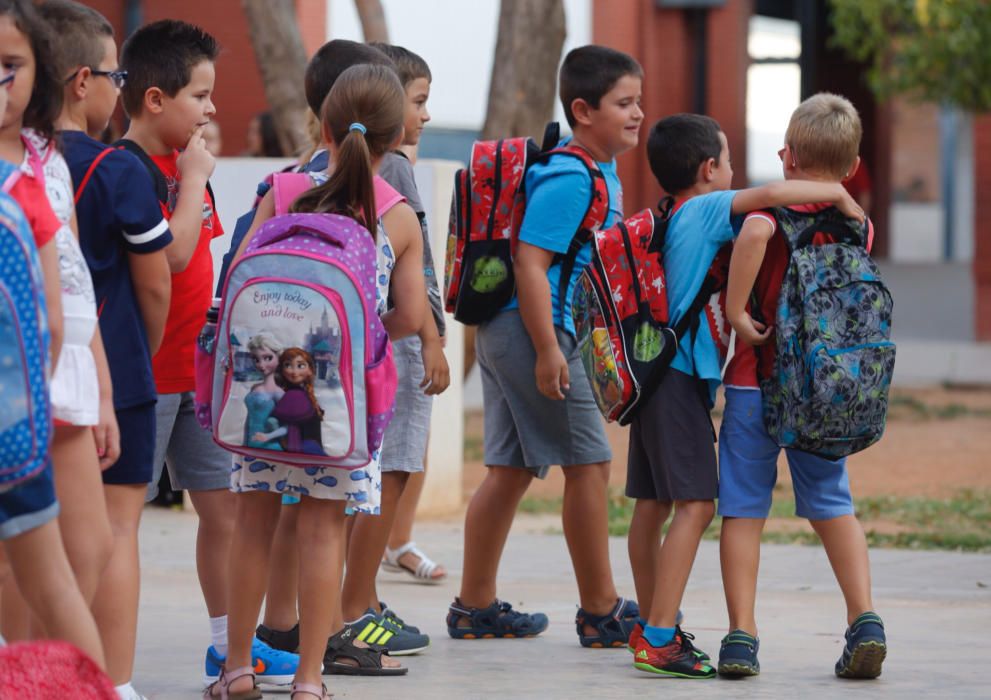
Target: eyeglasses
8, 79
117, 77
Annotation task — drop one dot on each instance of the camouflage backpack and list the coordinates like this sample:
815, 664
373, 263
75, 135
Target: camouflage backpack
827, 392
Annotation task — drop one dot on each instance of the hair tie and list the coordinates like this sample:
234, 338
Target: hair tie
358, 126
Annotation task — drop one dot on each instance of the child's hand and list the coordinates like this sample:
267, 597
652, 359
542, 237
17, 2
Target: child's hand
436, 373
195, 159
752, 332
552, 373
848, 206
106, 433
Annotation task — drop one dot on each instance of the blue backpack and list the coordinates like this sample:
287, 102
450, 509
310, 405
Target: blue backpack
25, 417
827, 392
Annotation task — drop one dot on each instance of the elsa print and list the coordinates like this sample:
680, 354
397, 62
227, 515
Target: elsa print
261, 399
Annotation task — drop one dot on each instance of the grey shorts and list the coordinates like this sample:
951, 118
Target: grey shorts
405, 440
672, 456
194, 460
524, 428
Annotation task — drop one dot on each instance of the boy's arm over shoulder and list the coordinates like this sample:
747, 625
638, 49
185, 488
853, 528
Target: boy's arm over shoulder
791, 192
710, 215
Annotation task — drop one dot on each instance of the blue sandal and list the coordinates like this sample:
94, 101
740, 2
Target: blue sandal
498, 621
613, 628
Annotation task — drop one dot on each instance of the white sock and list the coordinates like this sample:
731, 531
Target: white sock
218, 634
125, 691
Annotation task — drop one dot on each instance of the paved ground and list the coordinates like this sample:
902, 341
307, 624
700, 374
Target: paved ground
937, 608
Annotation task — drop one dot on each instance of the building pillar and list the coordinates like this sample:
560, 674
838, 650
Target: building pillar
982, 227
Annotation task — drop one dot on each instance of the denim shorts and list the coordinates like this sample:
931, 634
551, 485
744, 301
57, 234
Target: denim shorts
748, 468
28, 505
524, 428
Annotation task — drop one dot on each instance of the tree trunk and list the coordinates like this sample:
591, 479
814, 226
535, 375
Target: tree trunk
524, 74
372, 18
282, 61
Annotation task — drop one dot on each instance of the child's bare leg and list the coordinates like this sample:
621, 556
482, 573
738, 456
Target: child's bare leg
739, 557
15, 617
215, 509
677, 555
115, 605
42, 571
487, 523
281, 612
585, 517
255, 520
402, 527
846, 547
83, 519
367, 545
644, 545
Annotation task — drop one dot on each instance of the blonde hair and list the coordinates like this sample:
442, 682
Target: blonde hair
824, 135
265, 341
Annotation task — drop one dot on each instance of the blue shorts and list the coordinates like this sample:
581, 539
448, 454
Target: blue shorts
137, 446
28, 505
748, 468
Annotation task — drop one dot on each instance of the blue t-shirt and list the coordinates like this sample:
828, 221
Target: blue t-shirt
558, 194
118, 214
698, 229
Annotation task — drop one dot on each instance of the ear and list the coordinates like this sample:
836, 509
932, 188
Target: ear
79, 86
582, 111
853, 170
154, 100
706, 170
788, 160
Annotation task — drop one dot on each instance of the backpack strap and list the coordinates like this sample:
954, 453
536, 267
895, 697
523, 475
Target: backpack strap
89, 173
386, 197
157, 176
287, 188
9, 175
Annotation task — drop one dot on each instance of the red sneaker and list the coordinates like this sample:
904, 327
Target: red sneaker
635, 635
673, 659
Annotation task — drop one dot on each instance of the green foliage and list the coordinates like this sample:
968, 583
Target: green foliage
937, 50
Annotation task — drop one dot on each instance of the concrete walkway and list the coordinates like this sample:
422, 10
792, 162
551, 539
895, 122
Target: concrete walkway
936, 606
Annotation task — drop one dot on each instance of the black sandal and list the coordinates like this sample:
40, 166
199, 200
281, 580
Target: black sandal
367, 660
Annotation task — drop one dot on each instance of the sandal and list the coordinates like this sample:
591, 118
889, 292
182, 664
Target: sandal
424, 571
498, 621
613, 628
223, 684
367, 660
317, 691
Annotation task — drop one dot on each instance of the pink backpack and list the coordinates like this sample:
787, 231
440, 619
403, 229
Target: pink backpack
302, 366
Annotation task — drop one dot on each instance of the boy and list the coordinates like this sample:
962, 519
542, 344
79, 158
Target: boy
123, 237
821, 143
405, 440
170, 80
530, 425
672, 463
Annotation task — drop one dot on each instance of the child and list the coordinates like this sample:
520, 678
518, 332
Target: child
170, 81
405, 441
821, 143
362, 118
31, 539
529, 424
672, 463
405, 445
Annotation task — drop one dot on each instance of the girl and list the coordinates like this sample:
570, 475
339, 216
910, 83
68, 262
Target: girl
265, 349
362, 120
36, 551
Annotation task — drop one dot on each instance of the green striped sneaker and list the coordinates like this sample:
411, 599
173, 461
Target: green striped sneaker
384, 632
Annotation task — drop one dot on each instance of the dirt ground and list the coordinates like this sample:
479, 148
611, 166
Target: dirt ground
937, 443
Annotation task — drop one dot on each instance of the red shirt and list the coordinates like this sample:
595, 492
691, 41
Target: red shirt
31, 196
192, 290
747, 361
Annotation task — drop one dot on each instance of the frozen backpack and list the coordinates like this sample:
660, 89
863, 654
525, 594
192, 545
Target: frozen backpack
486, 214
302, 366
25, 414
827, 392
626, 336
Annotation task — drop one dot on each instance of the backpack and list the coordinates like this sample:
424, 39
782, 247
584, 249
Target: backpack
626, 337
827, 392
161, 185
25, 413
486, 214
307, 284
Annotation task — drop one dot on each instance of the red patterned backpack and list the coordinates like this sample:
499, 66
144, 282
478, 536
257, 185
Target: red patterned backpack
625, 335
486, 213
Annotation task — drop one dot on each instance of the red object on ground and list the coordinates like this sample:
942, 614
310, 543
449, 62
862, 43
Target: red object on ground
51, 670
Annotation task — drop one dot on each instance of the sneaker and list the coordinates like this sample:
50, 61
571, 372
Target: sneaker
390, 614
738, 655
673, 659
498, 620
686, 640
380, 631
865, 648
287, 640
637, 632
271, 666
